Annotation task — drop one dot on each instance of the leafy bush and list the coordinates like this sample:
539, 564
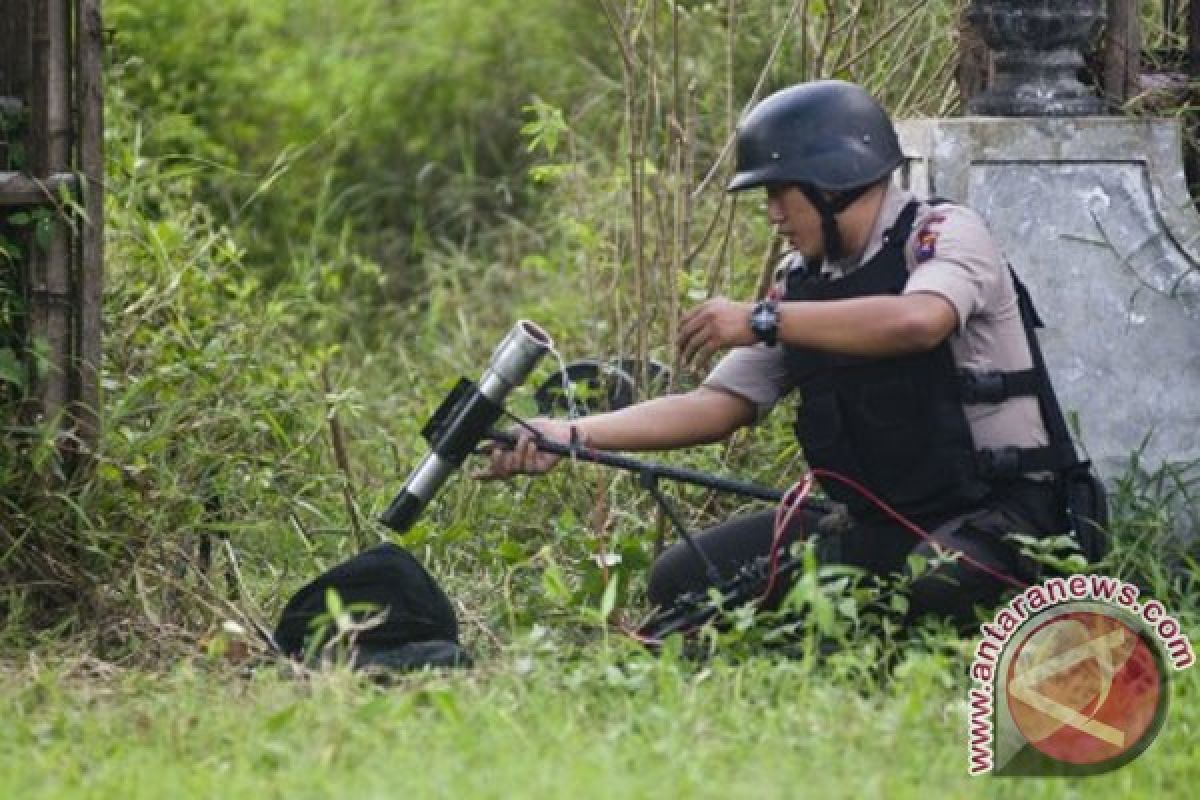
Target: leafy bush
395, 124
214, 412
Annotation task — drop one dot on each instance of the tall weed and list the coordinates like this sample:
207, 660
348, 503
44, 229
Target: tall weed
395, 124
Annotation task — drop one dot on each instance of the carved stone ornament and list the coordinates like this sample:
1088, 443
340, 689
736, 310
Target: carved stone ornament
1037, 45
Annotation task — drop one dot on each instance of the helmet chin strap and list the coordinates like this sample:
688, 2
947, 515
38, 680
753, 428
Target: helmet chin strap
829, 209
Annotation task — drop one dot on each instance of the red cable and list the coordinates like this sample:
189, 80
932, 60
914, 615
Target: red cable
912, 527
793, 500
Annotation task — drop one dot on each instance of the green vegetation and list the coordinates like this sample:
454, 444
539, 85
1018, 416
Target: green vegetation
532, 724
319, 216
260, 154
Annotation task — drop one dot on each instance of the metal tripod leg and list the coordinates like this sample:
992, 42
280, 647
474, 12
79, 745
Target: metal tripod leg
648, 480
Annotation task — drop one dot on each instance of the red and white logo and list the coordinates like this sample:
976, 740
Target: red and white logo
1071, 678
1084, 688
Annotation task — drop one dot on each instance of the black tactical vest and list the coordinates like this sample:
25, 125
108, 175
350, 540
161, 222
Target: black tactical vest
896, 424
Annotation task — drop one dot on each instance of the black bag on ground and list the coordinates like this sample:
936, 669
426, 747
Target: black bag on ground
419, 629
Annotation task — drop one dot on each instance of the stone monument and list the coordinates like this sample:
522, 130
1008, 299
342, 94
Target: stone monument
1094, 213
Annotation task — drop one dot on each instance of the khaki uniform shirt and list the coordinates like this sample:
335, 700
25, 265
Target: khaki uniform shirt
951, 254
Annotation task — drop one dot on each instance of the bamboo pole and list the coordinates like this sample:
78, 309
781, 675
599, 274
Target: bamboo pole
974, 71
7, 50
49, 256
14, 94
14, 56
18, 189
1193, 44
341, 457
14, 47
677, 135
1122, 52
36, 290
90, 278
6, 23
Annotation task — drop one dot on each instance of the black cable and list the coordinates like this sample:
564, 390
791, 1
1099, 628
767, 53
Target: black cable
678, 474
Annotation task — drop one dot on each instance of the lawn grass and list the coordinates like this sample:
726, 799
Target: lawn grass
529, 723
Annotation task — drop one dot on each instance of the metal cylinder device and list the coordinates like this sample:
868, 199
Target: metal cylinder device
464, 419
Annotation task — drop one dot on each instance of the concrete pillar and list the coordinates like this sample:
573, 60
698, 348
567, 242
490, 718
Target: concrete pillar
1094, 214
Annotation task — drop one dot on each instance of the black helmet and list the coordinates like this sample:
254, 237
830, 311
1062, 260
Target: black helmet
823, 136
830, 135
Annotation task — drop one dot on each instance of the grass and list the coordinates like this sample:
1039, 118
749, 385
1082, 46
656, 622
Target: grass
529, 724
218, 425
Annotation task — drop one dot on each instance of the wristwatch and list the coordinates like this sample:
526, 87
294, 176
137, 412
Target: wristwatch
764, 321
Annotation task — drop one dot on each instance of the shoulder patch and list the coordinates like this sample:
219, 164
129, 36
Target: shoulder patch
925, 244
790, 264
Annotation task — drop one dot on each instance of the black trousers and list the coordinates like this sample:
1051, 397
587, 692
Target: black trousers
881, 547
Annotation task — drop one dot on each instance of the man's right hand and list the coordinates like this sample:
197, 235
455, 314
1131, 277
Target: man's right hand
525, 457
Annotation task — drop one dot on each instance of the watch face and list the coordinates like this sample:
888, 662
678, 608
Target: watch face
764, 321
763, 317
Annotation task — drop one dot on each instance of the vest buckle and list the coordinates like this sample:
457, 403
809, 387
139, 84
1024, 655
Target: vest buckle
986, 386
999, 462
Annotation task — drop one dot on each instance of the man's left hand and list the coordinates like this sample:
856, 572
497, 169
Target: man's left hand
714, 325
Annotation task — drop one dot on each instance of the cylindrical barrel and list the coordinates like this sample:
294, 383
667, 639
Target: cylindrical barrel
462, 426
